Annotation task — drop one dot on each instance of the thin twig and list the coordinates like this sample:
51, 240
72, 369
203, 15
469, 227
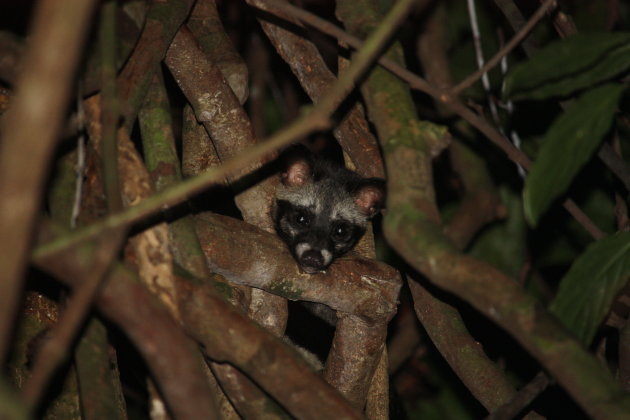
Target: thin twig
509, 107
485, 80
516, 39
446, 97
317, 119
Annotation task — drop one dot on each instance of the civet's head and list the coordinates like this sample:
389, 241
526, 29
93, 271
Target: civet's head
322, 210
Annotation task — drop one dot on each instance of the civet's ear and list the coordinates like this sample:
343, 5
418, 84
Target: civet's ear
299, 171
370, 196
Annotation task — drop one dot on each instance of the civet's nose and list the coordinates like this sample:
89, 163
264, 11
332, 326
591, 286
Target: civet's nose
312, 261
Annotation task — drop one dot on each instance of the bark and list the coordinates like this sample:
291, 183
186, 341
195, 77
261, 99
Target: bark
170, 355
229, 127
162, 22
247, 255
99, 382
206, 317
205, 24
163, 164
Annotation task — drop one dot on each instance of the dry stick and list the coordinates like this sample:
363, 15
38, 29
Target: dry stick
446, 97
317, 119
29, 131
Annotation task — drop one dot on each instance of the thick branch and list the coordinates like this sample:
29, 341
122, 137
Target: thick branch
318, 118
205, 24
357, 348
220, 112
205, 316
226, 122
163, 164
247, 255
167, 350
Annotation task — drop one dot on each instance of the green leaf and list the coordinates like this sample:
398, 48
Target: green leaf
566, 66
567, 146
587, 291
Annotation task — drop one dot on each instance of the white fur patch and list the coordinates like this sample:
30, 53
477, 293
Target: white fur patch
327, 256
301, 248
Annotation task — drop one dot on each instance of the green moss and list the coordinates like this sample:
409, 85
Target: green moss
223, 288
408, 224
285, 289
417, 135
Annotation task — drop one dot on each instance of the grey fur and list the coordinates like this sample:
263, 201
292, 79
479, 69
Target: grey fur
322, 210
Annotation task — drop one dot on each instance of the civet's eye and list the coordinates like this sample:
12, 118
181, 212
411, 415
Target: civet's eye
302, 219
341, 232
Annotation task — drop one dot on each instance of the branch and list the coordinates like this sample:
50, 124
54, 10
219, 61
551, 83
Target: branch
444, 325
522, 399
516, 20
205, 24
168, 352
247, 255
229, 127
57, 347
162, 22
205, 315
161, 157
318, 118
30, 129
220, 112
513, 43
98, 377
452, 102
308, 66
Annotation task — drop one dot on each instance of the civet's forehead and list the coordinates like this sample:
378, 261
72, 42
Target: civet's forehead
324, 198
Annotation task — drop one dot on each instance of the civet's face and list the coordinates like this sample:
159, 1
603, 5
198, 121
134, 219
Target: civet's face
322, 211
